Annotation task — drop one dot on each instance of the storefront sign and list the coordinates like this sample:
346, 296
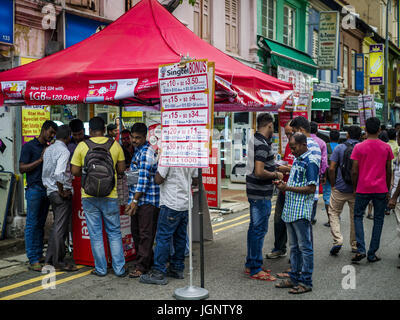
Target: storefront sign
328, 39
366, 108
186, 99
33, 118
329, 126
351, 103
321, 101
284, 118
78, 28
333, 88
211, 179
7, 21
376, 63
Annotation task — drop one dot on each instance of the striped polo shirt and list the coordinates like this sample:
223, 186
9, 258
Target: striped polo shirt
259, 150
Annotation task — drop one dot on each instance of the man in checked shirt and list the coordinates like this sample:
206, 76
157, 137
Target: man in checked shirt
143, 204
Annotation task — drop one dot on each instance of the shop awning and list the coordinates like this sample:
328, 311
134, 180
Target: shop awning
119, 66
282, 55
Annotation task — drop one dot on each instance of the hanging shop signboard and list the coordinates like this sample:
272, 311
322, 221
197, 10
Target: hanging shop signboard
7, 21
186, 100
376, 63
359, 72
328, 39
321, 101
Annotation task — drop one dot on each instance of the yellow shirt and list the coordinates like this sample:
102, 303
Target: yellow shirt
117, 154
395, 149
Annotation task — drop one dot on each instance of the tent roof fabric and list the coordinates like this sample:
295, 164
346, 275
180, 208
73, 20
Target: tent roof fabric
134, 46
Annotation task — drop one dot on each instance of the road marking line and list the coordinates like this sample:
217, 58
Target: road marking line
29, 281
235, 219
40, 288
231, 226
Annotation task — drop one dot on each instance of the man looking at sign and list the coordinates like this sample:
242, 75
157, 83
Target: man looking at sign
144, 198
31, 163
260, 172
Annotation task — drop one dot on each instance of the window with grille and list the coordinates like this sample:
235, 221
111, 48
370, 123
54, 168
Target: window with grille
268, 19
89, 4
202, 19
231, 26
345, 67
289, 29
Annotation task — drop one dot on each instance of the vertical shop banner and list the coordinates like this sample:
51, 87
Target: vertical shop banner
211, 179
284, 118
328, 39
32, 121
359, 72
379, 108
376, 64
186, 101
366, 108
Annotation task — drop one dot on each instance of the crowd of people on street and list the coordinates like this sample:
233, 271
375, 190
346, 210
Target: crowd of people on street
121, 167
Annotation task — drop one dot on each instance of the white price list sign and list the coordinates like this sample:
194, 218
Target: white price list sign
187, 100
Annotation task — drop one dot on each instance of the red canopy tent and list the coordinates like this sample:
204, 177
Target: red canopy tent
119, 66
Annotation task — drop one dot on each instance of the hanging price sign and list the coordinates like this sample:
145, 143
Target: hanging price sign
187, 100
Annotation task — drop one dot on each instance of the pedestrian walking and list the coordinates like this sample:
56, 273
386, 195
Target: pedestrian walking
297, 213
144, 200
371, 175
342, 189
280, 232
31, 163
260, 172
98, 160
334, 136
172, 224
57, 179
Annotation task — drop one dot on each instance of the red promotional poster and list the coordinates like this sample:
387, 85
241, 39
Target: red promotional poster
211, 180
154, 136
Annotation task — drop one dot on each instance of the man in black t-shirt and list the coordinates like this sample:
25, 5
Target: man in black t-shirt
31, 163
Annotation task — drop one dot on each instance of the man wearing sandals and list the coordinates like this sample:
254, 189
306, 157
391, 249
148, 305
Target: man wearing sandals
57, 179
297, 213
260, 172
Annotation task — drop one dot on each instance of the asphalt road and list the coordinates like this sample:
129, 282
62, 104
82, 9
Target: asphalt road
224, 265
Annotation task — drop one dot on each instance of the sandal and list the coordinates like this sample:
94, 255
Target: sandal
135, 274
247, 271
35, 267
287, 283
262, 275
374, 259
358, 257
300, 289
69, 268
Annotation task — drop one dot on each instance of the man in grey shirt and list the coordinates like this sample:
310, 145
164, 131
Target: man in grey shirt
57, 179
172, 223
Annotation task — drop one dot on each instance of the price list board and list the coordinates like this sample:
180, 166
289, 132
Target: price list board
187, 101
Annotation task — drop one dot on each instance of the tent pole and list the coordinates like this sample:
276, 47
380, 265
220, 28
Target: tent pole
201, 229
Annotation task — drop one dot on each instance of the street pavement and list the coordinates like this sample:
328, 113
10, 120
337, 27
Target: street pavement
224, 265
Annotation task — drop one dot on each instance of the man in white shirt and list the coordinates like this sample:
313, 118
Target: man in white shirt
57, 179
172, 223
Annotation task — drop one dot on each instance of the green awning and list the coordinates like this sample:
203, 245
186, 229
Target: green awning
284, 56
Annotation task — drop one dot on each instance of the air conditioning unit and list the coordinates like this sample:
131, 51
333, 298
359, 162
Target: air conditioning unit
53, 47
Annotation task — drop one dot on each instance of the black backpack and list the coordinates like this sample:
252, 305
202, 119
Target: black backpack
347, 163
98, 175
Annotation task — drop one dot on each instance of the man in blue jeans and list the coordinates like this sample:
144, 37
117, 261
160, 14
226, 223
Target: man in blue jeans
172, 223
98, 209
297, 213
260, 172
371, 176
31, 163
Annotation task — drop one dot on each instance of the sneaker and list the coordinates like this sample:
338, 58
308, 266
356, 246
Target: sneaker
275, 254
175, 274
335, 250
153, 277
124, 274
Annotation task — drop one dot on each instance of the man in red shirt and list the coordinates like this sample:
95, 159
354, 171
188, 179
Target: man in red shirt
280, 233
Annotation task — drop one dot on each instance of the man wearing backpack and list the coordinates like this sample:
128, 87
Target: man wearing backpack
342, 189
98, 160
371, 176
